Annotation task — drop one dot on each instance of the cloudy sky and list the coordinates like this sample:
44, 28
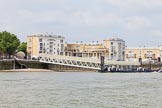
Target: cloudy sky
138, 22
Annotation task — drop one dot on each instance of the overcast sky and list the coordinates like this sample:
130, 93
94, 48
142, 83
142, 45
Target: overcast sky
138, 22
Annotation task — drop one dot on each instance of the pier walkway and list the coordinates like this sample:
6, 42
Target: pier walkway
90, 63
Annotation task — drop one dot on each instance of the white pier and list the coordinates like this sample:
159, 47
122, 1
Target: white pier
89, 63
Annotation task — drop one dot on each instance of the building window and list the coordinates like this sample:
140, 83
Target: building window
50, 51
111, 43
41, 48
51, 46
61, 53
112, 49
40, 39
61, 41
29, 48
62, 47
51, 42
41, 44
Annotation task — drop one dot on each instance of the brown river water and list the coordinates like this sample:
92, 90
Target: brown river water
80, 90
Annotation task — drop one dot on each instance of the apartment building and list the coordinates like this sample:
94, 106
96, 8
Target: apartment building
48, 44
85, 50
144, 54
116, 48
112, 49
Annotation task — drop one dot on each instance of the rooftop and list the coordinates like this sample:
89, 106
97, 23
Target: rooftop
47, 35
142, 48
114, 39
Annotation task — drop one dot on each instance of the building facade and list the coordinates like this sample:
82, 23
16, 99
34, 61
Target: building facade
47, 44
116, 48
85, 50
112, 49
144, 54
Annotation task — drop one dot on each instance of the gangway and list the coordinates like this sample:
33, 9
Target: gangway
85, 62
89, 63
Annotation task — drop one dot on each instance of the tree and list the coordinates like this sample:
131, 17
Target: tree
23, 47
8, 43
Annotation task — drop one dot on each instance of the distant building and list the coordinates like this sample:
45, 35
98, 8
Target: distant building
85, 50
144, 54
48, 44
116, 48
112, 49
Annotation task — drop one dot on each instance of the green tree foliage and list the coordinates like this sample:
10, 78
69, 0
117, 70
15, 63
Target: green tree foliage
23, 47
8, 43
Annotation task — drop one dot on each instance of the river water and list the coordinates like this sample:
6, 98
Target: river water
80, 90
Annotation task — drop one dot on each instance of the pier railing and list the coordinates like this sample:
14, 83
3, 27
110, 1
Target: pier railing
71, 61
83, 62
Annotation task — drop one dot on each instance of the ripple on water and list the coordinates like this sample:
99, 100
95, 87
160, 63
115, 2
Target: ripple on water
80, 90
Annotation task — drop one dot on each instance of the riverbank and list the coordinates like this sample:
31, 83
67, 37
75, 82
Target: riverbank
36, 66
27, 70
42, 70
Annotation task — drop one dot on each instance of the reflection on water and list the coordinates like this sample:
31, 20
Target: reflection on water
80, 90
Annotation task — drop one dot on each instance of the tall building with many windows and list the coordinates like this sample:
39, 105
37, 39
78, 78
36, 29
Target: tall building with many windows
48, 44
116, 47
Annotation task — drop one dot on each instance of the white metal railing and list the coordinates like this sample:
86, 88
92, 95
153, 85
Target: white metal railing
83, 62
71, 61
